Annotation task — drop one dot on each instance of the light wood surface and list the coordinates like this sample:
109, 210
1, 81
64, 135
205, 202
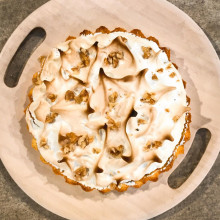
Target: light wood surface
198, 64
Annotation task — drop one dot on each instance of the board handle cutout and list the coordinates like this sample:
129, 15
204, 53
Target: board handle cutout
190, 162
21, 56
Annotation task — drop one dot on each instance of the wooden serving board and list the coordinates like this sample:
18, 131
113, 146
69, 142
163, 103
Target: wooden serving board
198, 64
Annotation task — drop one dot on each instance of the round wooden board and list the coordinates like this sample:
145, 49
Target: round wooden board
198, 64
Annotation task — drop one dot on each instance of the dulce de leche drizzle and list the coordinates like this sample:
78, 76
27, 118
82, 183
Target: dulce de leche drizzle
83, 105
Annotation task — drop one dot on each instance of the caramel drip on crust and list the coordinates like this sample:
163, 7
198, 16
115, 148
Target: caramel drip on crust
117, 96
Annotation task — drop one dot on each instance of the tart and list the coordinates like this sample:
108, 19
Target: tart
108, 110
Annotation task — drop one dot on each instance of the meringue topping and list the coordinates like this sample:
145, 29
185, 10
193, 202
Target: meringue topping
107, 108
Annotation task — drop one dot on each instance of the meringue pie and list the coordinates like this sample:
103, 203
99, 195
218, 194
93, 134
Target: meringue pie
108, 110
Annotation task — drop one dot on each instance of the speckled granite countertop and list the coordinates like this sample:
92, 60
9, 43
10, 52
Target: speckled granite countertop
202, 204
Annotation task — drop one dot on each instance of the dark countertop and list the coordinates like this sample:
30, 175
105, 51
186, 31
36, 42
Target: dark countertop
202, 204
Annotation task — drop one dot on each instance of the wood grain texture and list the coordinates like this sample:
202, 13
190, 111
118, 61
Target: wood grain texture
152, 18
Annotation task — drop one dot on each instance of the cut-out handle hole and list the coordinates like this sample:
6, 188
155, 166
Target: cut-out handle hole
183, 171
21, 56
